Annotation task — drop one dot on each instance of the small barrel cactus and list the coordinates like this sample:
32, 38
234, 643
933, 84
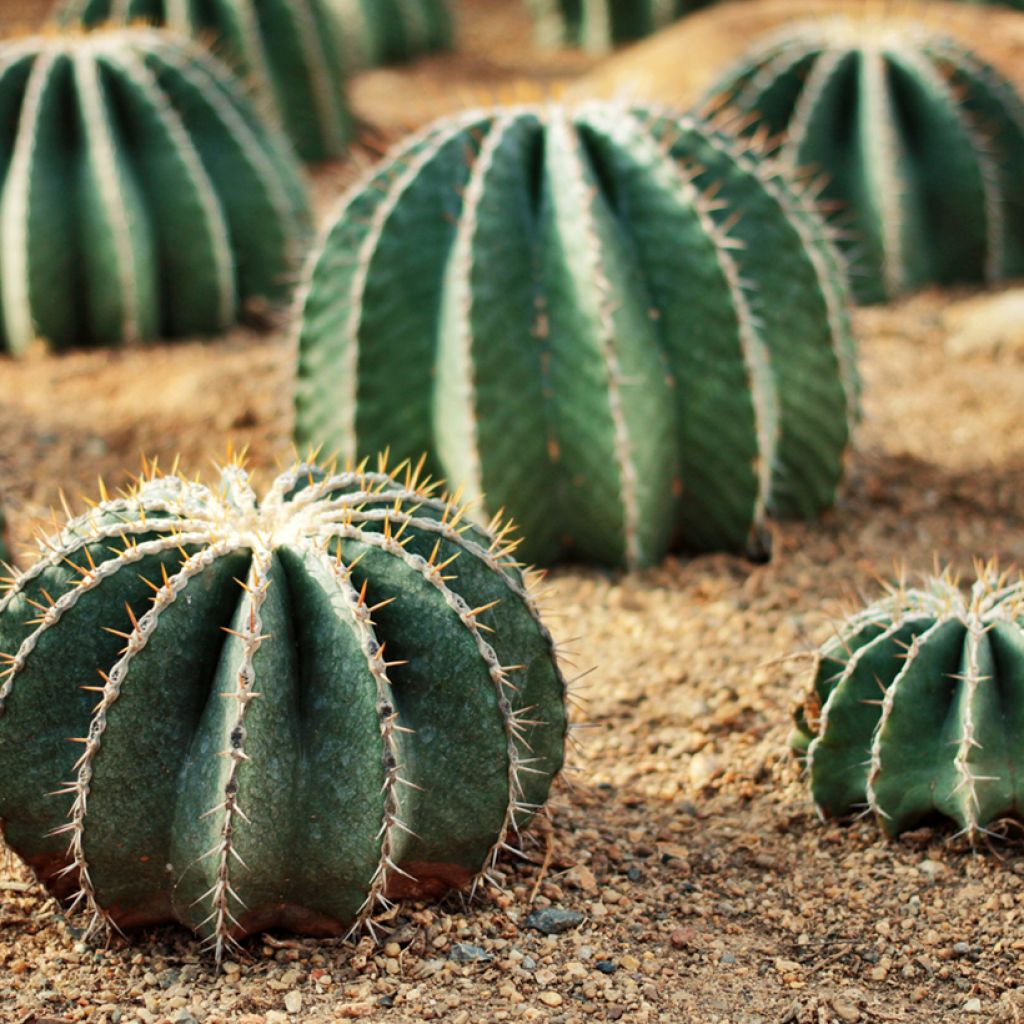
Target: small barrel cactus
141, 196
614, 324
599, 25
301, 706
287, 49
390, 31
915, 709
918, 139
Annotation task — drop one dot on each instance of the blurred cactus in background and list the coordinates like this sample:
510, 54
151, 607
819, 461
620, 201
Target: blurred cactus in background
919, 140
141, 194
287, 49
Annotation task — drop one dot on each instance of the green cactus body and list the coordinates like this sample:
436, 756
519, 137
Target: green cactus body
920, 142
615, 325
390, 31
287, 49
5, 546
917, 708
600, 25
140, 194
302, 706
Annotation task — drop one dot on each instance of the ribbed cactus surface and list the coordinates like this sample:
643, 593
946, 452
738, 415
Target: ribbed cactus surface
140, 194
919, 140
281, 712
616, 325
917, 708
599, 25
287, 49
390, 31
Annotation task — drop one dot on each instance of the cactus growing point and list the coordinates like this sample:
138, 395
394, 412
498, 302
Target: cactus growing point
287, 711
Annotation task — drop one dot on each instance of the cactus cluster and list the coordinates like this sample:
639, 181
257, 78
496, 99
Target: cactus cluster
283, 712
141, 196
287, 49
920, 141
615, 324
917, 709
600, 25
390, 31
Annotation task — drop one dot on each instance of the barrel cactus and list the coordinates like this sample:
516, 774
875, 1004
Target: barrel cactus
140, 194
287, 49
915, 709
599, 25
302, 706
614, 324
921, 141
390, 31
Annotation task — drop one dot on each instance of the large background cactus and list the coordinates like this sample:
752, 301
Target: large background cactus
599, 25
614, 324
916, 708
386, 31
919, 139
287, 49
141, 196
286, 711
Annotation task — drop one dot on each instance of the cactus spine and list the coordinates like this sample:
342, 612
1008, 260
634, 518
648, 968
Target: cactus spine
390, 31
372, 713
584, 332
600, 25
140, 194
917, 708
287, 49
922, 143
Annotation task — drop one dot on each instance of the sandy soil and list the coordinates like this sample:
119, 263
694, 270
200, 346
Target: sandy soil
709, 891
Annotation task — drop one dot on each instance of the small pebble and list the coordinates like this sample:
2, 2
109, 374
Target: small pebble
553, 920
551, 999
845, 1010
972, 1006
606, 966
466, 953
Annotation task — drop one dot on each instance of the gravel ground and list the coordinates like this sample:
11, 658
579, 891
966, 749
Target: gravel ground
684, 862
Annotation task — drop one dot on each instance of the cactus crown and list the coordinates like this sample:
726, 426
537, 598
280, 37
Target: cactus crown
616, 324
372, 713
917, 708
287, 50
141, 194
600, 25
921, 141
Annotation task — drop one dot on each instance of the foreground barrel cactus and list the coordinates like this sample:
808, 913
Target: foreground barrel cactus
917, 138
140, 196
390, 31
287, 49
283, 712
599, 25
614, 324
916, 708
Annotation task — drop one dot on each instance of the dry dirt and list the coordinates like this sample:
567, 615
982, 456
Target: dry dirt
709, 891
